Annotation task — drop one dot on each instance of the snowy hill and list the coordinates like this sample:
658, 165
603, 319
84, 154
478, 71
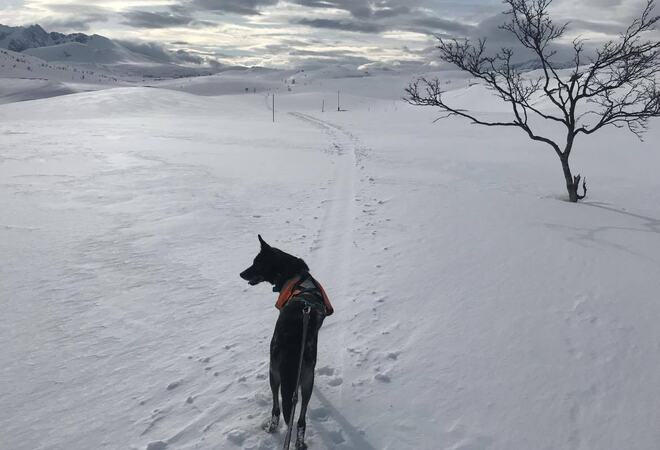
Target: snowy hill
96, 49
24, 77
476, 309
20, 65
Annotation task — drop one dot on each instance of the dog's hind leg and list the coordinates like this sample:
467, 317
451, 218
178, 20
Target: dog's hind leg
288, 386
275, 388
306, 387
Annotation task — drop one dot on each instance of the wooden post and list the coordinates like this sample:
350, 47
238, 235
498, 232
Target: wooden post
338, 109
273, 107
323, 106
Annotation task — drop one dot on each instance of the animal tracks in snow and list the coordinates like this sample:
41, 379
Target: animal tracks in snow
352, 218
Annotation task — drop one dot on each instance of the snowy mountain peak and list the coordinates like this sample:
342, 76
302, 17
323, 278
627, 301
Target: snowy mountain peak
19, 39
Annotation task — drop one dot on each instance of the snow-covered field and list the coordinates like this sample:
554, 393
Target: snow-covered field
476, 308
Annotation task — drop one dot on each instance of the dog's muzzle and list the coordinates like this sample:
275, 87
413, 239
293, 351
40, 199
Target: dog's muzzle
252, 280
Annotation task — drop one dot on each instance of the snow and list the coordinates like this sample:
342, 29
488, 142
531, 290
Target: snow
18, 90
476, 308
24, 77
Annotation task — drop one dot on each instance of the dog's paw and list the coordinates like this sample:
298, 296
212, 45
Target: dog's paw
272, 425
300, 439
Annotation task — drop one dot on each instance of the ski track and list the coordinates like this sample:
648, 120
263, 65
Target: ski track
331, 256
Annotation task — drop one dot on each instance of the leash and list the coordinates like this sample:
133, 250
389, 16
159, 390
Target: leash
287, 440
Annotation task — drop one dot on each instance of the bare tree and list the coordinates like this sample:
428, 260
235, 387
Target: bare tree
616, 86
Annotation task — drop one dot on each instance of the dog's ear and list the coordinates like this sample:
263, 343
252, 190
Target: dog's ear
264, 245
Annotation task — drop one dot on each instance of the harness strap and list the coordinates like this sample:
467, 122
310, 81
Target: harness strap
304, 299
292, 289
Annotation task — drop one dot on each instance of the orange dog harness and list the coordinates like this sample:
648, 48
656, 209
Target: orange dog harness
293, 287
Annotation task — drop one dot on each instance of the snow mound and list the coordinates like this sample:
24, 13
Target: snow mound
18, 90
225, 83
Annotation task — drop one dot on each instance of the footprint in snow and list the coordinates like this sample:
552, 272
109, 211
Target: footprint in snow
236, 436
325, 370
393, 355
321, 414
337, 437
174, 385
157, 445
382, 378
261, 400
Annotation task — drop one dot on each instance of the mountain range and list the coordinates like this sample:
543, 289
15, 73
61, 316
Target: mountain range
117, 57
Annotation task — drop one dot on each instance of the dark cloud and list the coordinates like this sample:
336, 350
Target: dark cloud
158, 53
602, 3
425, 24
75, 23
149, 49
363, 9
599, 27
244, 7
490, 28
343, 25
187, 57
391, 12
75, 17
148, 19
433, 25
76, 8
321, 53
426, 51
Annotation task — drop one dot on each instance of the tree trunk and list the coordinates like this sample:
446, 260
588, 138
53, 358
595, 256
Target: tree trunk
572, 183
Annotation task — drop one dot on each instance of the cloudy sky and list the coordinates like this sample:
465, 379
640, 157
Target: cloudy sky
303, 32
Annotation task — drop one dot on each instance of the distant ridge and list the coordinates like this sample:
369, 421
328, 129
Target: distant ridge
19, 39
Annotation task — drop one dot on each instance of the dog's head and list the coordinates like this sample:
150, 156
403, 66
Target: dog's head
274, 266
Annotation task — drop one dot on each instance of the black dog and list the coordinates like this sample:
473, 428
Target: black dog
298, 290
